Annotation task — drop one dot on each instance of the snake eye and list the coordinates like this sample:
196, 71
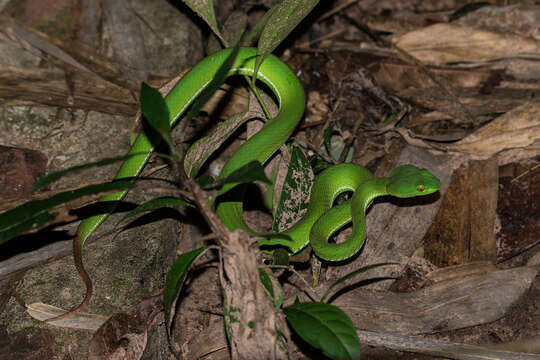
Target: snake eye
420, 188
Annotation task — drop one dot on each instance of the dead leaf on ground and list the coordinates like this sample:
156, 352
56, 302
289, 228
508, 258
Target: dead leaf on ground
518, 128
81, 320
447, 43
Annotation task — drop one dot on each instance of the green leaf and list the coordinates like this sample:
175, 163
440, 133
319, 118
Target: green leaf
33, 211
390, 119
282, 19
175, 280
234, 27
46, 180
298, 181
278, 23
256, 30
350, 276
280, 256
31, 224
156, 204
203, 148
205, 9
205, 180
156, 112
337, 150
328, 139
325, 327
252, 171
318, 164
268, 283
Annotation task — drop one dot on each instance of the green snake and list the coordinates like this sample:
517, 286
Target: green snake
314, 228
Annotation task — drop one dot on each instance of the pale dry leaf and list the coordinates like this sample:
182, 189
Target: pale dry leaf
84, 321
201, 150
256, 108
447, 43
520, 19
517, 128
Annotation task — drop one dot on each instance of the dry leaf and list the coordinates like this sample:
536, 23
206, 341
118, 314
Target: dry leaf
517, 128
84, 321
446, 43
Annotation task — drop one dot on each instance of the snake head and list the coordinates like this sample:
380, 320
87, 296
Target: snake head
408, 181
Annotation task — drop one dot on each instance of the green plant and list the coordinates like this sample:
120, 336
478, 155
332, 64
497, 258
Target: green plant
320, 324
